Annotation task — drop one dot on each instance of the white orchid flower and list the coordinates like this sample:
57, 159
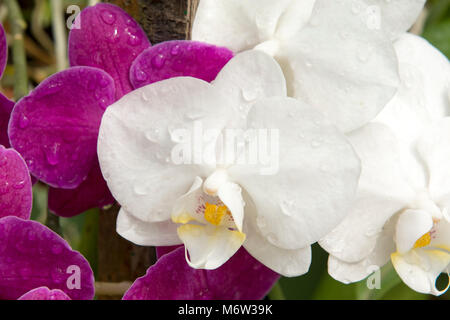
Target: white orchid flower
402, 204
215, 207
336, 56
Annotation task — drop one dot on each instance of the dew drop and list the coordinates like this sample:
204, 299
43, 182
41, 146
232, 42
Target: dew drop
108, 17
140, 74
19, 185
158, 61
52, 154
175, 50
153, 135
24, 121
249, 95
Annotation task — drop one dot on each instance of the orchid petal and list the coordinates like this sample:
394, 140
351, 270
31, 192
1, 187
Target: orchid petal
209, 246
108, 39
382, 192
3, 50
220, 21
185, 207
143, 233
16, 197
240, 278
309, 184
55, 128
178, 58
422, 95
420, 268
340, 66
250, 76
6, 107
231, 196
137, 139
349, 272
91, 193
289, 263
329, 62
31, 256
434, 149
44, 293
396, 16
411, 225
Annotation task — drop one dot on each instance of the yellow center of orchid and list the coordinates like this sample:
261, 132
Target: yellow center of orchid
423, 241
214, 214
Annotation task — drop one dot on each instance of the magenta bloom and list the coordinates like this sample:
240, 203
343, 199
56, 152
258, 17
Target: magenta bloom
6, 105
55, 128
44, 293
16, 196
33, 256
240, 278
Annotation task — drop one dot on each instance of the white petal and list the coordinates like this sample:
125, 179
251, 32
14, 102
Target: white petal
441, 235
147, 233
422, 96
231, 195
339, 65
250, 76
411, 225
434, 148
382, 192
420, 268
348, 272
139, 133
304, 186
396, 16
220, 21
209, 247
289, 263
185, 207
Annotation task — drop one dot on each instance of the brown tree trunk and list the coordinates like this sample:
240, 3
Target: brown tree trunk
119, 260
162, 20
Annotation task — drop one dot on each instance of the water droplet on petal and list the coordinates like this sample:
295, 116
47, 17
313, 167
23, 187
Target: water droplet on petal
140, 74
158, 61
108, 17
175, 50
19, 185
24, 121
140, 190
52, 154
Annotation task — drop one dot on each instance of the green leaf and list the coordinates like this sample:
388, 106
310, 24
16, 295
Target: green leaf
437, 27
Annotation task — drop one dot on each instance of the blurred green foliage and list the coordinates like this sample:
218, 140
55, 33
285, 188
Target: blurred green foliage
437, 26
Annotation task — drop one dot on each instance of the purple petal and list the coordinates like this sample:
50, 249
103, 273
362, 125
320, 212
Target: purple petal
55, 128
178, 58
161, 251
44, 293
3, 50
15, 185
241, 278
108, 39
6, 107
32, 256
92, 192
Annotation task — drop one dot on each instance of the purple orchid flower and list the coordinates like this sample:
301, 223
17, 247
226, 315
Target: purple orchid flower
32, 256
6, 105
15, 185
44, 293
55, 128
240, 278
